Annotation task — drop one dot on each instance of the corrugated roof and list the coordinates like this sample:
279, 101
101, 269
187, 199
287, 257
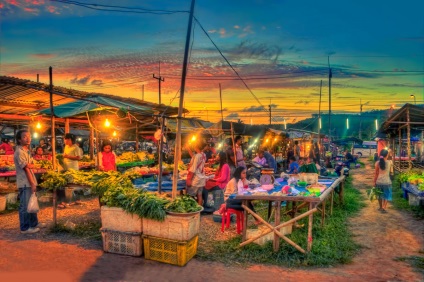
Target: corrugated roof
25, 97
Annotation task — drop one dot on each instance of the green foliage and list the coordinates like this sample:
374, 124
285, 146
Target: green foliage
402, 204
53, 180
332, 244
85, 230
417, 262
183, 204
140, 202
374, 194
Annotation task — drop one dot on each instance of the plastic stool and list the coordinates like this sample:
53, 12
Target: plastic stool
226, 218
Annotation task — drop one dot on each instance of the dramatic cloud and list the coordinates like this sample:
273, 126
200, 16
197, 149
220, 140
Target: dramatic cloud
233, 116
254, 109
81, 81
96, 82
304, 102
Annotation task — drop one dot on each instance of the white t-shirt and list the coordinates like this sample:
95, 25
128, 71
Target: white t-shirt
74, 151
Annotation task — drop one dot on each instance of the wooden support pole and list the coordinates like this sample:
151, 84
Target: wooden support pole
408, 138
271, 229
400, 149
323, 213
277, 222
246, 214
92, 143
67, 125
331, 201
310, 222
136, 138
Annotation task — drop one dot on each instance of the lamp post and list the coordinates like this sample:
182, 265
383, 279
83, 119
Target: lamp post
415, 98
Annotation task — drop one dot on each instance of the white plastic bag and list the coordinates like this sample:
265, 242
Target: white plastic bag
33, 204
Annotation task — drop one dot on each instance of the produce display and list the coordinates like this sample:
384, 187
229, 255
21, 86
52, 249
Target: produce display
129, 159
183, 204
7, 164
53, 180
413, 177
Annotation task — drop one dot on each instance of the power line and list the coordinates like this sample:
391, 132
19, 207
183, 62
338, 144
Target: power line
122, 9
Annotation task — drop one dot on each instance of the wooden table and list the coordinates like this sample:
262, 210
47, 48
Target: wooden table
311, 202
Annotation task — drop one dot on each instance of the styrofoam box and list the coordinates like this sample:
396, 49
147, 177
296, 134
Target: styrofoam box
119, 220
173, 227
251, 233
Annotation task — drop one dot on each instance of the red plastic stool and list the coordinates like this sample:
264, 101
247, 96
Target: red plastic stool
226, 216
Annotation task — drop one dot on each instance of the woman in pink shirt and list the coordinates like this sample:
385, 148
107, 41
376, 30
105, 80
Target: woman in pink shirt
221, 178
107, 158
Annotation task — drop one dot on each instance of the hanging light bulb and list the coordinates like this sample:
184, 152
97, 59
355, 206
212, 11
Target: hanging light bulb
38, 125
193, 138
114, 133
35, 135
107, 123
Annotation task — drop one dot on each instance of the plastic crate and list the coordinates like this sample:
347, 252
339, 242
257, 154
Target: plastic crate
170, 251
124, 243
180, 228
119, 220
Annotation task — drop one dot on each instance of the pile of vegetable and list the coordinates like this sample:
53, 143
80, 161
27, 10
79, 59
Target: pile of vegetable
414, 177
183, 204
53, 180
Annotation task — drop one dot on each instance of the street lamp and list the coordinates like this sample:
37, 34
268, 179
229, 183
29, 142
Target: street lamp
347, 123
415, 99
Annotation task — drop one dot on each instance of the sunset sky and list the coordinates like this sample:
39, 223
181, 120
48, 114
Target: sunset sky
280, 48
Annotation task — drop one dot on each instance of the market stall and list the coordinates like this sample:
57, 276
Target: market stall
311, 198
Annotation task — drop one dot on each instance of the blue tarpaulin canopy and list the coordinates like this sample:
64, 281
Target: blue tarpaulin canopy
95, 103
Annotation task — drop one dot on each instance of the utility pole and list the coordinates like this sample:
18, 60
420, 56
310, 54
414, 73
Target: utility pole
142, 92
319, 115
160, 79
330, 75
220, 99
38, 77
360, 119
177, 156
269, 112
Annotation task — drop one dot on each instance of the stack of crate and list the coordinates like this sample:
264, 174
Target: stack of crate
121, 232
172, 241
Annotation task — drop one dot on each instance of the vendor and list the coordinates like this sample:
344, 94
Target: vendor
239, 152
39, 154
293, 166
260, 159
107, 158
46, 147
6, 147
239, 174
221, 178
71, 153
270, 160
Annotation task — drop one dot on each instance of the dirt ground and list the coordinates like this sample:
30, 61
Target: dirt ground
45, 256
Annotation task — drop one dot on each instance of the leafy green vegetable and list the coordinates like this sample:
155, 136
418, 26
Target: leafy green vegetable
183, 204
53, 180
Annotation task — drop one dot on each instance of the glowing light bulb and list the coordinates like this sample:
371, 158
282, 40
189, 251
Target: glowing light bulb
114, 133
267, 140
38, 125
193, 138
35, 135
219, 145
107, 123
275, 139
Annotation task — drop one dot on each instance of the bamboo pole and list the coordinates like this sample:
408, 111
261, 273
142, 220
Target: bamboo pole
53, 141
234, 145
160, 155
408, 137
276, 228
92, 142
276, 223
310, 222
400, 149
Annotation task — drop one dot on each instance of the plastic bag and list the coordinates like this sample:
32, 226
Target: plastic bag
33, 204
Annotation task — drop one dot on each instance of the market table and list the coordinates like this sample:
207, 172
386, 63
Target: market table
311, 202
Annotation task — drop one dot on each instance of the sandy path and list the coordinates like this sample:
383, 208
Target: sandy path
41, 256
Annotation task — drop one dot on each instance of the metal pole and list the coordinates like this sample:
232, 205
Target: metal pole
160, 156
319, 115
53, 134
160, 79
177, 153
330, 75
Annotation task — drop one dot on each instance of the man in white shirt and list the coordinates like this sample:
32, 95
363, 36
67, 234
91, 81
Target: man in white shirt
71, 153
